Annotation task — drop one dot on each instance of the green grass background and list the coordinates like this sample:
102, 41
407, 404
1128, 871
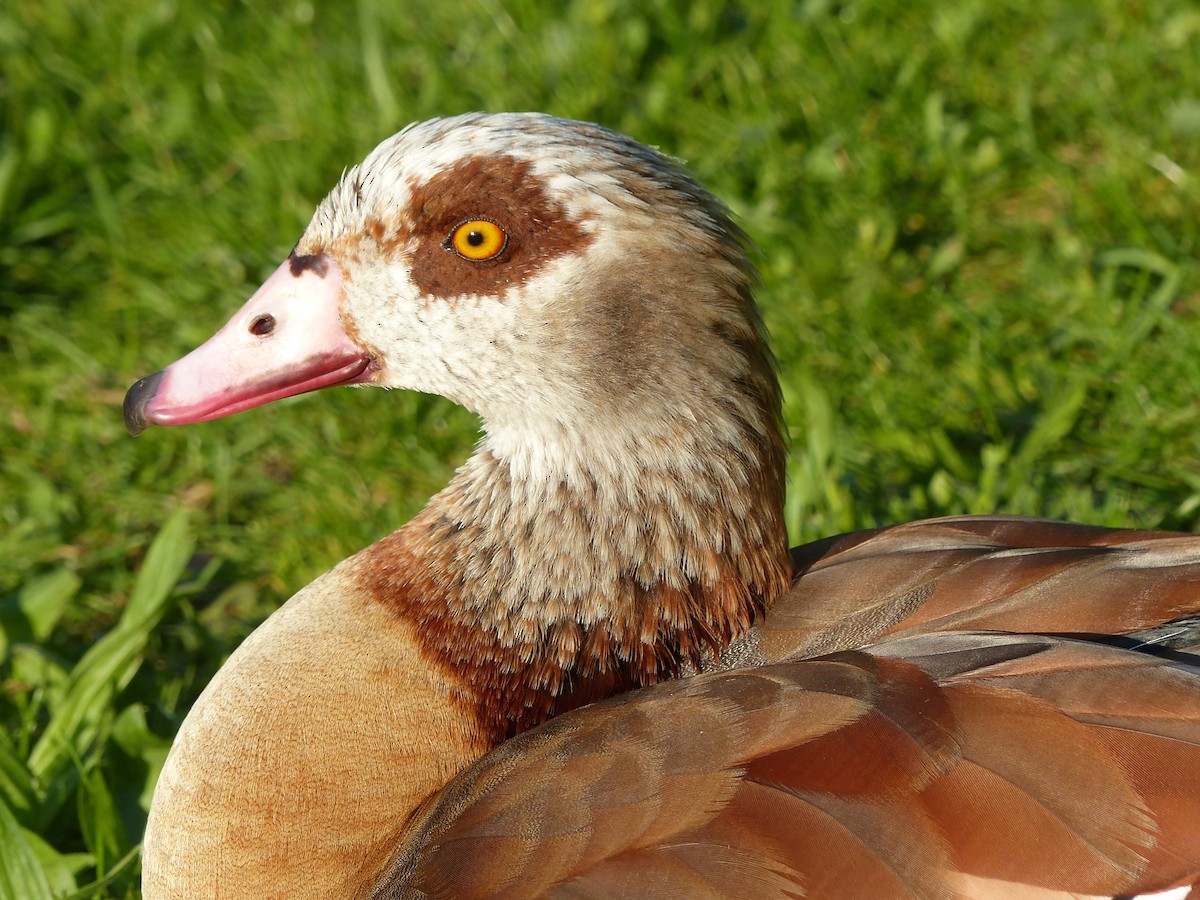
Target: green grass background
978, 224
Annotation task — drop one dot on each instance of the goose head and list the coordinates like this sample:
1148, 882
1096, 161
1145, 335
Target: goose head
551, 276
593, 304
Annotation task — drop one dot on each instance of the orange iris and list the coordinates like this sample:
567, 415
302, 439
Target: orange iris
478, 239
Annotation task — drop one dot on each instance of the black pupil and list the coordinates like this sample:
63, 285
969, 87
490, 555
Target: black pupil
475, 238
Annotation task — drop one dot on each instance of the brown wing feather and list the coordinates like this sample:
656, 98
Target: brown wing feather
1116, 744
934, 766
981, 573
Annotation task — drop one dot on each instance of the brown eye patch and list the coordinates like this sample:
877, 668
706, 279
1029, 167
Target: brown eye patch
503, 192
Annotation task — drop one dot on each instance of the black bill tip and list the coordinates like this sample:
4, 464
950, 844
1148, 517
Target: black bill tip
137, 399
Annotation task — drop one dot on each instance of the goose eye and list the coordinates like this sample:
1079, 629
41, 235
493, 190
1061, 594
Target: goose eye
477, 240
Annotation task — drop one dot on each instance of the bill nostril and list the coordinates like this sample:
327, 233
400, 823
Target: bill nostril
262, 325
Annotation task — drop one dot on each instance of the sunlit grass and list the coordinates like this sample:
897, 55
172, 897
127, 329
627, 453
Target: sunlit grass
978, 223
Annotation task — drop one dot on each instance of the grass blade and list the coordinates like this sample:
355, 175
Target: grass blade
20, 873
107, 667
16, 781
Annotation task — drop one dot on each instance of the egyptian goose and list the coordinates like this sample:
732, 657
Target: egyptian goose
428, 718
